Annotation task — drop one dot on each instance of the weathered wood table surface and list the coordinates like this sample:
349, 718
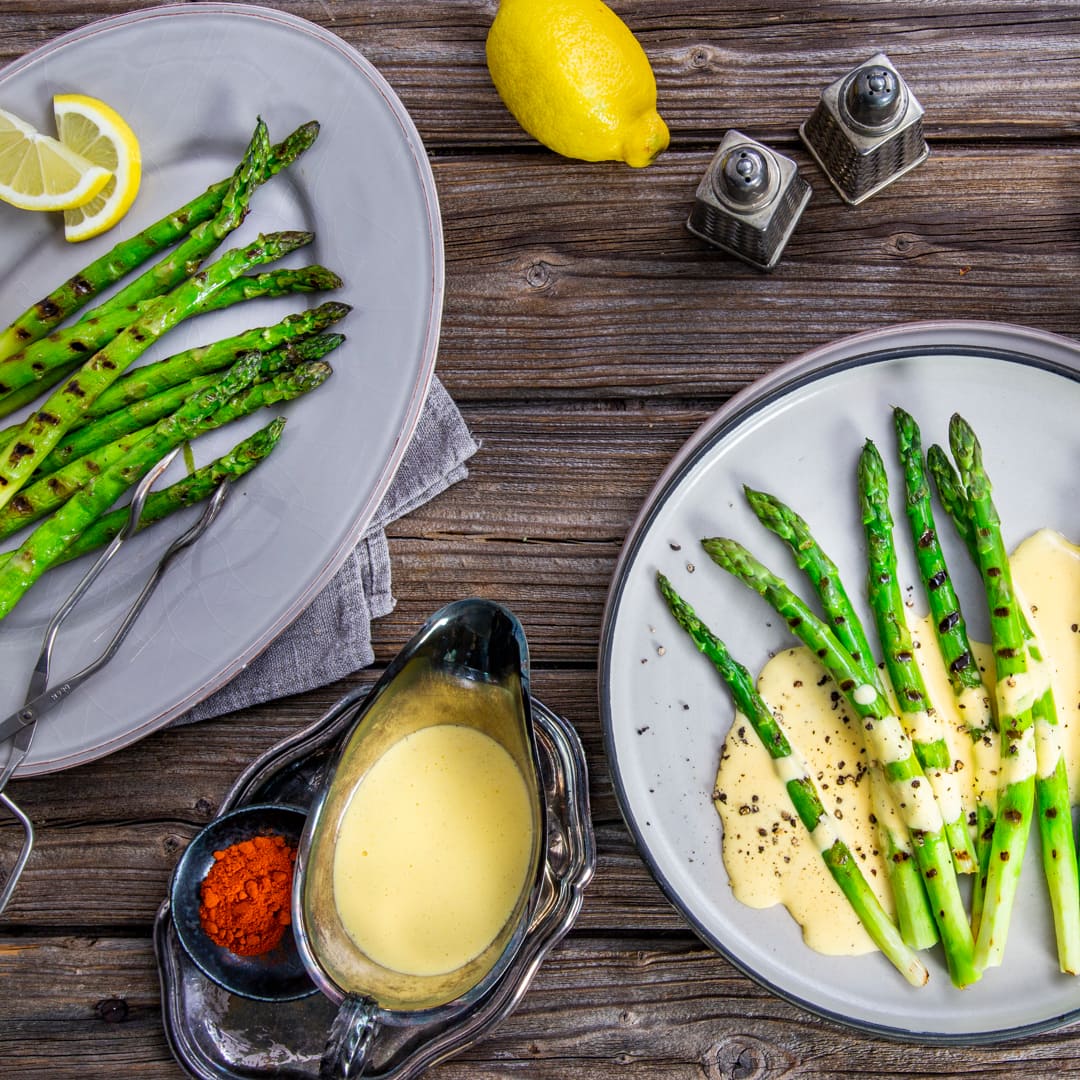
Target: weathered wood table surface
586, 335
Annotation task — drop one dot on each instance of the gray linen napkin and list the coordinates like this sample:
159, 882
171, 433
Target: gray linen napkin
332, 637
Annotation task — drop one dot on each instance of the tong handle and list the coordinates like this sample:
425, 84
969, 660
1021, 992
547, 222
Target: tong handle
47, 697
24, 853
174, 549
39, 678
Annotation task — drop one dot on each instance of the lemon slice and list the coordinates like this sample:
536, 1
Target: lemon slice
39, 173
97, 132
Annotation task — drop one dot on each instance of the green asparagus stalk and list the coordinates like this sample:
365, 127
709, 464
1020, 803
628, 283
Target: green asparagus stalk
41, 497
954, 501
152, 378
43, 429
822, 573
1016, 790
62, 347
921, 719
148, 410
1053, 805
802, 791
952, 496
14, 401
913, 915
200, 485
1032, 769
39, 362
278, 380
950, 629
948, 618
189, 255
80, 289
188, 491
1051, 782
913, 912
135, 417
48, 542
891, 748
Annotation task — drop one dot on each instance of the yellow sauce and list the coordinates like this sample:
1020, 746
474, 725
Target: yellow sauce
770, 857
433, 850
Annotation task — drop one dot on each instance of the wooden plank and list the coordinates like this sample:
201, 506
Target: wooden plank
111, 832
571, 472
960, 237
974, 66
83, 1007
671, 1008
537, 247
203, 761
116, 876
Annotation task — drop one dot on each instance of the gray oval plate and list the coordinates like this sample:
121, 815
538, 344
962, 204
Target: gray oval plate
798, 433
191, 80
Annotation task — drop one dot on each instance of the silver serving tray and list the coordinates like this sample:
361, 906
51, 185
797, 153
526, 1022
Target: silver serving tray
216, 1035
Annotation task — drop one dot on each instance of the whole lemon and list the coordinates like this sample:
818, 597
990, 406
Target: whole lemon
576, 79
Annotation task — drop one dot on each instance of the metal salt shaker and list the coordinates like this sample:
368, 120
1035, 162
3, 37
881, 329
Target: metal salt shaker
867, 130
749, 201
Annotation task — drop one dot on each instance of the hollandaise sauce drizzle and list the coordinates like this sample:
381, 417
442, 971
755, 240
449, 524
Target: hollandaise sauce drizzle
769, 857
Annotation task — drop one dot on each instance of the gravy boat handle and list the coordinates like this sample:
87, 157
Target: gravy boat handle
350, 1040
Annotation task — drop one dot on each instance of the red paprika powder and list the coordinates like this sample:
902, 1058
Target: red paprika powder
245, 896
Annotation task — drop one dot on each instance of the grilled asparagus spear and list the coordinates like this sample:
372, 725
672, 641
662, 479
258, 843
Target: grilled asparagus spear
912, 907
921, 719
801, 789
891, 748
192, 489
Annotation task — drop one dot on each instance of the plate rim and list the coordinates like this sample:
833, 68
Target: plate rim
1047, 350
421, 383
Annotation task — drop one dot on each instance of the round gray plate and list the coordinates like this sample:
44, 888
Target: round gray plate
798, 434
191, 80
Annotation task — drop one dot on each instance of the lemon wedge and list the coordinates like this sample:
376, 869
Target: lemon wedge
39, 173
98, 133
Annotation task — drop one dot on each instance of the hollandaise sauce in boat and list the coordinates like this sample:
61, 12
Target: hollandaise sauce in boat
433, 850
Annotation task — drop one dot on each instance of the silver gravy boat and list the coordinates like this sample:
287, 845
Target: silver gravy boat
468, 665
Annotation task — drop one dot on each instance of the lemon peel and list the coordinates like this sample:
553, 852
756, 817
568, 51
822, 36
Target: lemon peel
98, 132
574, 77
38, 172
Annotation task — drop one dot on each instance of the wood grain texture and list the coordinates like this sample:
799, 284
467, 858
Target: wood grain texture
644, 1006
742, 64
126, 831
586, 335
654, 312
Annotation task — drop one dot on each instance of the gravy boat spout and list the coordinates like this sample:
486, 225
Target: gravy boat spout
405, 927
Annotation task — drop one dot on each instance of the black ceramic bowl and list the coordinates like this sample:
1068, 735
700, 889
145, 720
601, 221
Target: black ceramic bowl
277, 975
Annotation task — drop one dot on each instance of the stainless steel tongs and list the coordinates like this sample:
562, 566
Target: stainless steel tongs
41, 698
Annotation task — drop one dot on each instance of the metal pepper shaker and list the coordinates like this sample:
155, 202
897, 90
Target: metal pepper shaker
867, 130
749, 201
